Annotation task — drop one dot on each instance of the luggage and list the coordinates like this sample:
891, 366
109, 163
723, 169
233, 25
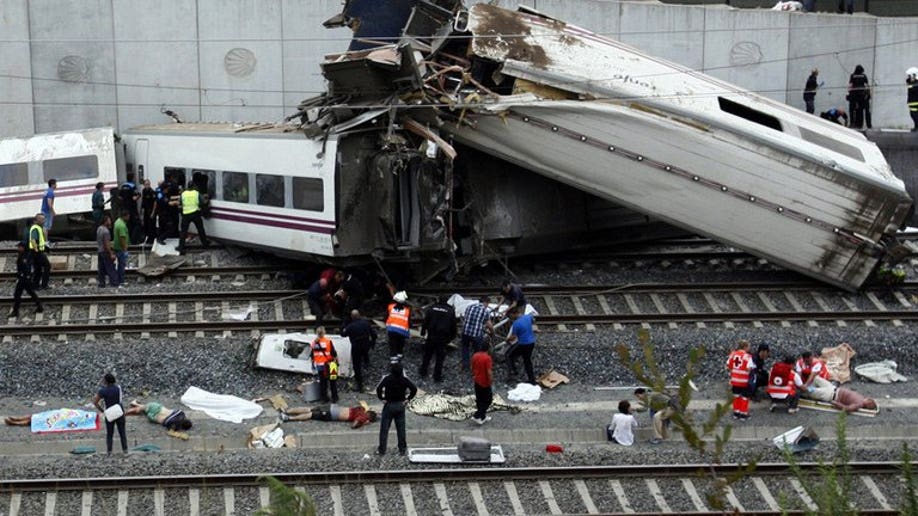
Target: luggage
474, 449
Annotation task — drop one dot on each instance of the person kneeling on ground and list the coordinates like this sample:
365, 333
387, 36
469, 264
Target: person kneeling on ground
357, 415
662, 408
621, 430
174, 420
783, 383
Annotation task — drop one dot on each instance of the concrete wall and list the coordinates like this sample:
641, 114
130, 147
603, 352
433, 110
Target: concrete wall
66, 65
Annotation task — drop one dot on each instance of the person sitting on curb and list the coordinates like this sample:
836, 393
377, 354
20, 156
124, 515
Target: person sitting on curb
621, 429
174, 420
358, 415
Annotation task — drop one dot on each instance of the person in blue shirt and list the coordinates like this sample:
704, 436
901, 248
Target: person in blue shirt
47, 205
522, 337
98, 205
835, 114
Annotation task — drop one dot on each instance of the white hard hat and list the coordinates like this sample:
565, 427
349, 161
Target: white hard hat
400, 296
912, 71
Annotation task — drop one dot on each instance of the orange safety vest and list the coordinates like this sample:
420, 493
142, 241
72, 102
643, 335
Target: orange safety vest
781, 381
399, 319
740, 365
322, 350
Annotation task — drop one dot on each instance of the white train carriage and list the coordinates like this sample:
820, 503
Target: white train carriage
274, 188
76, 159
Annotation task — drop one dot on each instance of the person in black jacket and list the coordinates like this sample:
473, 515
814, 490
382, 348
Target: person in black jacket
363, 337
109, 395
147, 207
440, 328
911, 80
834, 115
395, 390
24, 280
809, 91
859, 98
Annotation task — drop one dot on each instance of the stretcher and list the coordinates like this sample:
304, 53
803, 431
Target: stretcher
450, 455
828, 407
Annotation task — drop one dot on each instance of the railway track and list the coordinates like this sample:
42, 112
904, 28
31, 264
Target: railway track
670, 489
565, 308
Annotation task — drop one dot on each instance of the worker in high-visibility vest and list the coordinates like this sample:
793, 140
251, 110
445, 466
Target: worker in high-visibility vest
740, 366
398, 323
325, 361
38, 249
191, 213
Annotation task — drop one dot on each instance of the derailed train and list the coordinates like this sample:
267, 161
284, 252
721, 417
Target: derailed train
452, 135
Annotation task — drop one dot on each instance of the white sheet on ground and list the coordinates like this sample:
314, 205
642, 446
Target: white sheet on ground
525, 392
220, 406
880, 372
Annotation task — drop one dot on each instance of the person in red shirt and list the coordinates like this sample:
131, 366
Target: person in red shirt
482, 376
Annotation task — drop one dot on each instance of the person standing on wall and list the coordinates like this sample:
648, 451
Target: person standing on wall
112, 395
38, 249
846, 6
47, 206
24, 280
911, 80
395, 390
809, 91
191, 213
440, 328
122, 242
859, 98
483, 378
398, 324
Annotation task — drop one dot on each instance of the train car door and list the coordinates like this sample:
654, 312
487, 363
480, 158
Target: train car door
141, 148
407, 210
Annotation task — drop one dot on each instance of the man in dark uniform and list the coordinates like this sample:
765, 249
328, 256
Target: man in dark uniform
395, 390
859, 98
129, 198
911, 79
362, 337
440, 328
24, 280
809, 91
147, 206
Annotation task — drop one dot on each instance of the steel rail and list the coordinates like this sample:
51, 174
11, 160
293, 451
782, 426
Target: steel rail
160, 297
753, 286
465, 473
181, 272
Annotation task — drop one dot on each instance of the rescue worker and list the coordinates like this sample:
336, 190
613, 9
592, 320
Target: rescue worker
129, 197
38, 251
191, 213
782, 385
440, 328
23, 280
513, 296
740, 364
911, 79
363, 337
760, 375
834, 114
859, 98
315, 298
325, 362
810, 367
398, 324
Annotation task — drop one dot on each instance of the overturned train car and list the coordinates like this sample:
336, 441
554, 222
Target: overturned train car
366, 190
638, 131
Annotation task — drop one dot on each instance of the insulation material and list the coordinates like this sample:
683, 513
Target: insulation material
838, 362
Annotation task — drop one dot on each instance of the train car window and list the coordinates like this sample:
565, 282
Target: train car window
308, 194
14, 174
236, 187
832, 144
269, 190
753, 115
63, 169
206, 181
177, 174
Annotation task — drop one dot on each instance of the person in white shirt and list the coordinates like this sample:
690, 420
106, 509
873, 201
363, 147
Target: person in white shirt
621, 430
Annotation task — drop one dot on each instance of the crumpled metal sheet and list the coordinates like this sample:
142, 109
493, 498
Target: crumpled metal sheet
454, 408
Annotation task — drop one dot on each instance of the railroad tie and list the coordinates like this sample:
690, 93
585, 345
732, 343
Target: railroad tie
621, 496
766, 493
119, 319
689, 309
199, 317
442, 497
159, 502
692, 492
229, 501
86, 503
93, 316
824, 306
635, 309
741, 303
578, 306
881, 306
50, 502
225, 307
122, 502
661, 308
514, 496
172, 319
585, 496
876, 492
194, 502
715, 307
549, 496
408, 499
147, 310
604, 305
337, 502
792, 299
369, 490
766, 301
65, 319
478, 499
853, 308
553, 310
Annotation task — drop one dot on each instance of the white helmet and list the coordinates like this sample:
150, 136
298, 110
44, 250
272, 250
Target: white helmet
400, 297
913, 72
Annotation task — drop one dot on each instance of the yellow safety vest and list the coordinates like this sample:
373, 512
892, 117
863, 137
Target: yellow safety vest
189, 201
41, 238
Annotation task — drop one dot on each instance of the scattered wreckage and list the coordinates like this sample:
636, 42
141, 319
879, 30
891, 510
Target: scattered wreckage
584, 110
